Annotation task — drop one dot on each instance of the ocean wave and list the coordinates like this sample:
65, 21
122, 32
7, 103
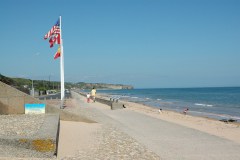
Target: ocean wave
204, 105
134, 97
209, 105
159, 99
125, 96
235, 117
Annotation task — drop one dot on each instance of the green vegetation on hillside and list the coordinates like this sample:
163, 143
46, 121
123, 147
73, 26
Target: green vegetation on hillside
26, 84
42, 85
14, 83
7, 80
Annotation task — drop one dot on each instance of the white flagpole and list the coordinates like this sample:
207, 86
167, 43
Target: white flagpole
61, 65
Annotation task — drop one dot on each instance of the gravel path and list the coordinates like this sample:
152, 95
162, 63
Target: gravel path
20, 125
114, 144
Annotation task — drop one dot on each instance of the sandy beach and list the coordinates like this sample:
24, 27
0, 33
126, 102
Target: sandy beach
141, 132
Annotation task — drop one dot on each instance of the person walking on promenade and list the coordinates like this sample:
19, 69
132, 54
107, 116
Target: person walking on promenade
88, 97
93, 94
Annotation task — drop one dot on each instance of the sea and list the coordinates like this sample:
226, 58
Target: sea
212, 102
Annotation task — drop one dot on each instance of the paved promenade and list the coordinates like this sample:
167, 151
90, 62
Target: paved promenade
125, 134
101, 140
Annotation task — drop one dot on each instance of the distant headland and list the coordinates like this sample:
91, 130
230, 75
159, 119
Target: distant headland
84, 85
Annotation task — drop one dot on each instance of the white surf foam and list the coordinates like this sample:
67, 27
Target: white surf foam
134, 97
204, 105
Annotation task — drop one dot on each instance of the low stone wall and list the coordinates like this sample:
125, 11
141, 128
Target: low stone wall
117, 105
114, 104
67, 116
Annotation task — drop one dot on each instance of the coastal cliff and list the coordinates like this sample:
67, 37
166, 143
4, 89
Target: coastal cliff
84, 85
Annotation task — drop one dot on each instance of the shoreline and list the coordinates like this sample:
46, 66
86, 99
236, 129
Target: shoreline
229, 130
208, 115
193, 113
217, 103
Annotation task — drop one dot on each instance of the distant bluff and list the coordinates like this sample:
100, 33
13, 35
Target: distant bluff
25, 84
84, 85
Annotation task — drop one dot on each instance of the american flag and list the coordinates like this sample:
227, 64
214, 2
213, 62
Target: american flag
54, 34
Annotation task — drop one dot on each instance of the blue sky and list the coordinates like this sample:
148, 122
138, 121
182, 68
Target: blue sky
144, 43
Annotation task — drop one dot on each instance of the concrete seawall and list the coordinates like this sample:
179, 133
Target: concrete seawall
114, 104
12, 101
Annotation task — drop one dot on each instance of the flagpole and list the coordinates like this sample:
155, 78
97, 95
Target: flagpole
62, 65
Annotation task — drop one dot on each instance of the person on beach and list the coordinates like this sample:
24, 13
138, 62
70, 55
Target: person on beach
93, 94
185, 111
160, 110
88, 97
